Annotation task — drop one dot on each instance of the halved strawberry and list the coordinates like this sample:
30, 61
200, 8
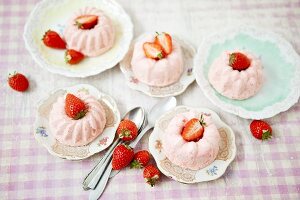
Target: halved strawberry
153, 51
53, 40
75, 107
73, 57
193, 129
261, 130
86, 21
239, 61
165, 41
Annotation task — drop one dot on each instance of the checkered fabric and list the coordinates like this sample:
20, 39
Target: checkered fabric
261, 170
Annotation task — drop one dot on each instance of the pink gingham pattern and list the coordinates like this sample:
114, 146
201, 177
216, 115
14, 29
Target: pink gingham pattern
269, 170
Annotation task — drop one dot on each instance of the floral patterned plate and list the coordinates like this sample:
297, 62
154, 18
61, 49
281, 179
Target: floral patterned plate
172, 90
53, 14
215, 170
43, 135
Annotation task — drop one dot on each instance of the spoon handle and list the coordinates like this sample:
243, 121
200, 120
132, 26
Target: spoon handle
89, 181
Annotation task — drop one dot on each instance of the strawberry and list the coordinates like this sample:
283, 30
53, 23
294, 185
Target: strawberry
127, 130
151, 174
165, 41
261, 130
75, 108
141, 159
18, 82
86, 21
122, 156
239, 61
73, 57
193, 129
53, 40
153, 51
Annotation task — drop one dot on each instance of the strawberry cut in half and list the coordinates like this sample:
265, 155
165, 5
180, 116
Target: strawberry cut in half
165, 41
151, 174
86, 21
18, 82
73, 57
53, 40
140, 160
75, 108
153, 51
193, 129
261, 130
239, 61
127, 130
122, 156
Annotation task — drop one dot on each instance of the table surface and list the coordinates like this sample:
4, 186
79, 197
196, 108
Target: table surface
261, 170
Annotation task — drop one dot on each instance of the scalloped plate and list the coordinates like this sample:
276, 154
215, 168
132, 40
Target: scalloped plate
43, 134
213, 171
281, 67
172, 90
53, 14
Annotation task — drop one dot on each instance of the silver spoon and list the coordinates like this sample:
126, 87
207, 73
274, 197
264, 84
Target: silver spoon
156, 111
137, 115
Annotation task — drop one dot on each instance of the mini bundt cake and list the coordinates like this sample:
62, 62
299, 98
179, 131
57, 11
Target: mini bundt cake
236, 82
82, 131
90, 42
192, 155
163, 71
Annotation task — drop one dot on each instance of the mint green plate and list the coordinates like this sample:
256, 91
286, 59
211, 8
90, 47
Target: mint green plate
281, 67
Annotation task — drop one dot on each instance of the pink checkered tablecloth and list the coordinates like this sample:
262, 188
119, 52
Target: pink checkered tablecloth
268, 170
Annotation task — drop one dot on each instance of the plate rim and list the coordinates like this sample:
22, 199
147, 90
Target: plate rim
268, 111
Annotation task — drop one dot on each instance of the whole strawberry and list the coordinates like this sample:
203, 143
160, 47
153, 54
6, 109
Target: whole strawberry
151, 174
140, 160
53, 40
18, 82
75, 108
122, 156
261, 130
239, 61
73, 57
127, 130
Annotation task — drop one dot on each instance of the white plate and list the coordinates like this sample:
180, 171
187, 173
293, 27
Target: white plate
43, 134
281, 68
172, 90
53, 14
215, 170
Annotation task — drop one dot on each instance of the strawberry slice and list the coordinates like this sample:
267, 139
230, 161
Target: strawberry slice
239, 61
53, 40
153, 51
165, 41
73, 57
193, 129
86, 21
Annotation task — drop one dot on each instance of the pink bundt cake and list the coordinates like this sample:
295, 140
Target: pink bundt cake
191, 155
153, 72
79, 132
235, 84
90, 42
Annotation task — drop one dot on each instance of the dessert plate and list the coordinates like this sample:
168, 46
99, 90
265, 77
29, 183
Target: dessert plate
172, 90
215, 170
43, 134
53, 14
281, 68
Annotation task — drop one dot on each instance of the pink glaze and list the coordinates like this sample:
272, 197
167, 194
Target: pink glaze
236, 84
157, 72
77, 132
191, 155
92, 42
